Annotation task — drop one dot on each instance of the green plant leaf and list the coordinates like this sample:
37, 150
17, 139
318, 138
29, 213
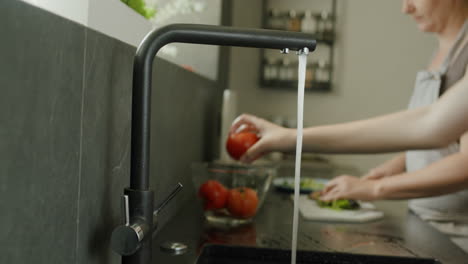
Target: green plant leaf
140, 7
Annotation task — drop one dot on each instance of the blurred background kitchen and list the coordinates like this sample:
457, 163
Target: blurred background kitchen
377, 50
365, 62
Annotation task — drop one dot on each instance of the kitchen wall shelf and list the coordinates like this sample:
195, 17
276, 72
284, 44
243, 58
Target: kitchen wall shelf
317, 18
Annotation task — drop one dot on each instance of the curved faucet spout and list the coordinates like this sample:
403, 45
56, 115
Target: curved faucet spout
133, 240
196, 34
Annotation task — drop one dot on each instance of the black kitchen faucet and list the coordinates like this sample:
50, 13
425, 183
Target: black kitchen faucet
133, 239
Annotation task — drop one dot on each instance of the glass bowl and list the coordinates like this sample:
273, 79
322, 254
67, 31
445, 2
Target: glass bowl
234, 178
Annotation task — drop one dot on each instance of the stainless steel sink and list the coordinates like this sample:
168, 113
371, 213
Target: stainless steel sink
221, 254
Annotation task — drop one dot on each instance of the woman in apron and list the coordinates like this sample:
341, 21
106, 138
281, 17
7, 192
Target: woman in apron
436, 177
448, 212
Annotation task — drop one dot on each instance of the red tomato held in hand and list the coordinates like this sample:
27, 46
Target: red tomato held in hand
238, 143
242, 202
214, 195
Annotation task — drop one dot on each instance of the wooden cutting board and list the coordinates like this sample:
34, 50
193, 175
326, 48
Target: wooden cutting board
311, 211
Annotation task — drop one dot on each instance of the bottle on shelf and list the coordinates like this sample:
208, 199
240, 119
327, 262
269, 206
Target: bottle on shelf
325, 25
294, 22
282, 70
309, 23
310, 75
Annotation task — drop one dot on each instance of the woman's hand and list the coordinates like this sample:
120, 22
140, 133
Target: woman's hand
391, 167
272, 136
349, 187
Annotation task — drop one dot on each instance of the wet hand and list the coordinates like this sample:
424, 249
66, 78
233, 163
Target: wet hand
272, 136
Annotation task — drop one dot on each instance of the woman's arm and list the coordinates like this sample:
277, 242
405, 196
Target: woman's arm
445, 176
442, 177
429, 127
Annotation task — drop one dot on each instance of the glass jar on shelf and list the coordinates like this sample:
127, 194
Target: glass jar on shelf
323, 72
293, 71
294, 22
276, 20
270, 71
309, 23
285, 71
265, 70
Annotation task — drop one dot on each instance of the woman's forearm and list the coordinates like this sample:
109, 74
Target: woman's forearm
397, 165
445, 176
389, 133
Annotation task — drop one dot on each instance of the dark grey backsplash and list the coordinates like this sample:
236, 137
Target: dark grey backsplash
65, 104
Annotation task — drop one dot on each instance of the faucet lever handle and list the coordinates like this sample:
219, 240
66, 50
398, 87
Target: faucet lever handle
161, 205
168, 198
125, 210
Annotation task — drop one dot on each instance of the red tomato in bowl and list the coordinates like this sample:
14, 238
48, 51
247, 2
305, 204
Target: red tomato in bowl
214, 195
238, 143
242, 202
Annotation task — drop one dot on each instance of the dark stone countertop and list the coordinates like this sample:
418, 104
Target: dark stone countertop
399, 233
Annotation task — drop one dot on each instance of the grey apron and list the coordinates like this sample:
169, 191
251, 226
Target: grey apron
453, 207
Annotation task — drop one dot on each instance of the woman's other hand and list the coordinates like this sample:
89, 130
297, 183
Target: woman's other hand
391, 167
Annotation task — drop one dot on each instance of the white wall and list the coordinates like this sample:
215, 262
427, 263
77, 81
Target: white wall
378, 53
71, 9
115, 19
202, 58
111, 17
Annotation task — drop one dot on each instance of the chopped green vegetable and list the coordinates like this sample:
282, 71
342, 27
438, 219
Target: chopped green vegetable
306, 183
341, 204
